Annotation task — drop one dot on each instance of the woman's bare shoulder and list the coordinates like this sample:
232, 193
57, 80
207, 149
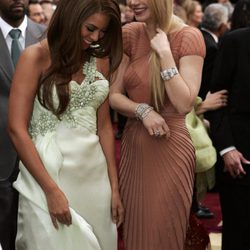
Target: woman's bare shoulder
36, 55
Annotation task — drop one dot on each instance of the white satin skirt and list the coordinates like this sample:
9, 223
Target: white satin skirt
75, 160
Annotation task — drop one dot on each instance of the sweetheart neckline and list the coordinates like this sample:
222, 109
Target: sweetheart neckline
83, 83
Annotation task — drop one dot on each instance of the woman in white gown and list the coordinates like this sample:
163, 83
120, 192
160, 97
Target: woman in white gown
60, 125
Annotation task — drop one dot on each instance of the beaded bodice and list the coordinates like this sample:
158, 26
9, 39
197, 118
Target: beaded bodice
85, 99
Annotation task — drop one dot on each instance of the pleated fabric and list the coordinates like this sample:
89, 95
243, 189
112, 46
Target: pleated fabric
156, 174
156, 177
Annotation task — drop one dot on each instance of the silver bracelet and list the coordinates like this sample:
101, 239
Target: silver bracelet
167, 74
142, 110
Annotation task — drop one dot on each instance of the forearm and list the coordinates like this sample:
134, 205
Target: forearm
31, 160
123, 104
180, 93
107, 142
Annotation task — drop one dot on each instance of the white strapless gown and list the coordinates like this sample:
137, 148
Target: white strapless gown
72, 154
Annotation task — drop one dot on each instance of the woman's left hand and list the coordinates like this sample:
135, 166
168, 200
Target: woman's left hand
117, 209
160, 43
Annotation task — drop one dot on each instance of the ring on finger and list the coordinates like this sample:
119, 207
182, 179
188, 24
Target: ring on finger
157, 133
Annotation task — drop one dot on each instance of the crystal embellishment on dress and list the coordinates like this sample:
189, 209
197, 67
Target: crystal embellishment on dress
80, 97
45, 122
90, 72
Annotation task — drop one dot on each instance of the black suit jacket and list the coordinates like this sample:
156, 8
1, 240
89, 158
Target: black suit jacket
211, 52
230, 126
8, 156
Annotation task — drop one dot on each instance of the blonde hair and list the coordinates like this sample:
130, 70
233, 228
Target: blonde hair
191, 7
163, 17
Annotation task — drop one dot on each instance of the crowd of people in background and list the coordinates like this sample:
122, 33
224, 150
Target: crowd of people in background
162, 191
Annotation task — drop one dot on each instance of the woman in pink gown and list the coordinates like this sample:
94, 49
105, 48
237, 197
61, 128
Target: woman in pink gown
161, 74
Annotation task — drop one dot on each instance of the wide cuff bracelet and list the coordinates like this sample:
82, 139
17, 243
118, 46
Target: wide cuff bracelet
142, 110
167, 74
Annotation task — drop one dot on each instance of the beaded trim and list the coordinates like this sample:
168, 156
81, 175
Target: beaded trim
80, 97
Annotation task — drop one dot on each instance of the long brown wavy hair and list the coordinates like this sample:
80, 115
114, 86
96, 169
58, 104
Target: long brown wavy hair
65, 47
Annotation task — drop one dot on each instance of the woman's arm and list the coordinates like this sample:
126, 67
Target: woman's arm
120, 102
117, 97
32, 63
183, 88
106, 135
213, 101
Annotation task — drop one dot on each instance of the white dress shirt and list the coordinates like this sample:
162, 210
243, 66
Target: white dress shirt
216, 39
6, 28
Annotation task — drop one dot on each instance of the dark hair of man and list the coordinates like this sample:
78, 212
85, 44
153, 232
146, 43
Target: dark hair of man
33, 1
65, 46
241, 15
30, 3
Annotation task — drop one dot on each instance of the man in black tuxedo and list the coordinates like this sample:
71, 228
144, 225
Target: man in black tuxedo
12, 16
230, 127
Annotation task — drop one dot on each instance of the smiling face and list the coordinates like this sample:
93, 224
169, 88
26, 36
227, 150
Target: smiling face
197, 15
141, 9
94, 29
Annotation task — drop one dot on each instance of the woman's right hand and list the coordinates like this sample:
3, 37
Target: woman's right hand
156, 125
58, 207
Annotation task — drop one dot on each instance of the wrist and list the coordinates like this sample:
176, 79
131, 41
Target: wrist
142, 110
115, 191
50, 187
169, 73
201, 108
164, 54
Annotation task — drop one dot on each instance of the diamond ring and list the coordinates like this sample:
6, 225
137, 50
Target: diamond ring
157, 133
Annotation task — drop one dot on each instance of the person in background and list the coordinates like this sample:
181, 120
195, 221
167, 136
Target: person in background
129, 15
35, 12
194, 13
122, 9
213, 27
60, 125
231, 136
241, 15
16, 32
161, 74
237, 85
180, 11
48, 9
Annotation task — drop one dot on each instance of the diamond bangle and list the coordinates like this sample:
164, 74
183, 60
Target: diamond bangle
142, 110
167, 74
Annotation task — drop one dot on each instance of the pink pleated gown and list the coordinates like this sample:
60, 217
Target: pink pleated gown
156, 174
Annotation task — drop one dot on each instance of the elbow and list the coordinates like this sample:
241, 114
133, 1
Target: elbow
12, 131
113, 101
183, 110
